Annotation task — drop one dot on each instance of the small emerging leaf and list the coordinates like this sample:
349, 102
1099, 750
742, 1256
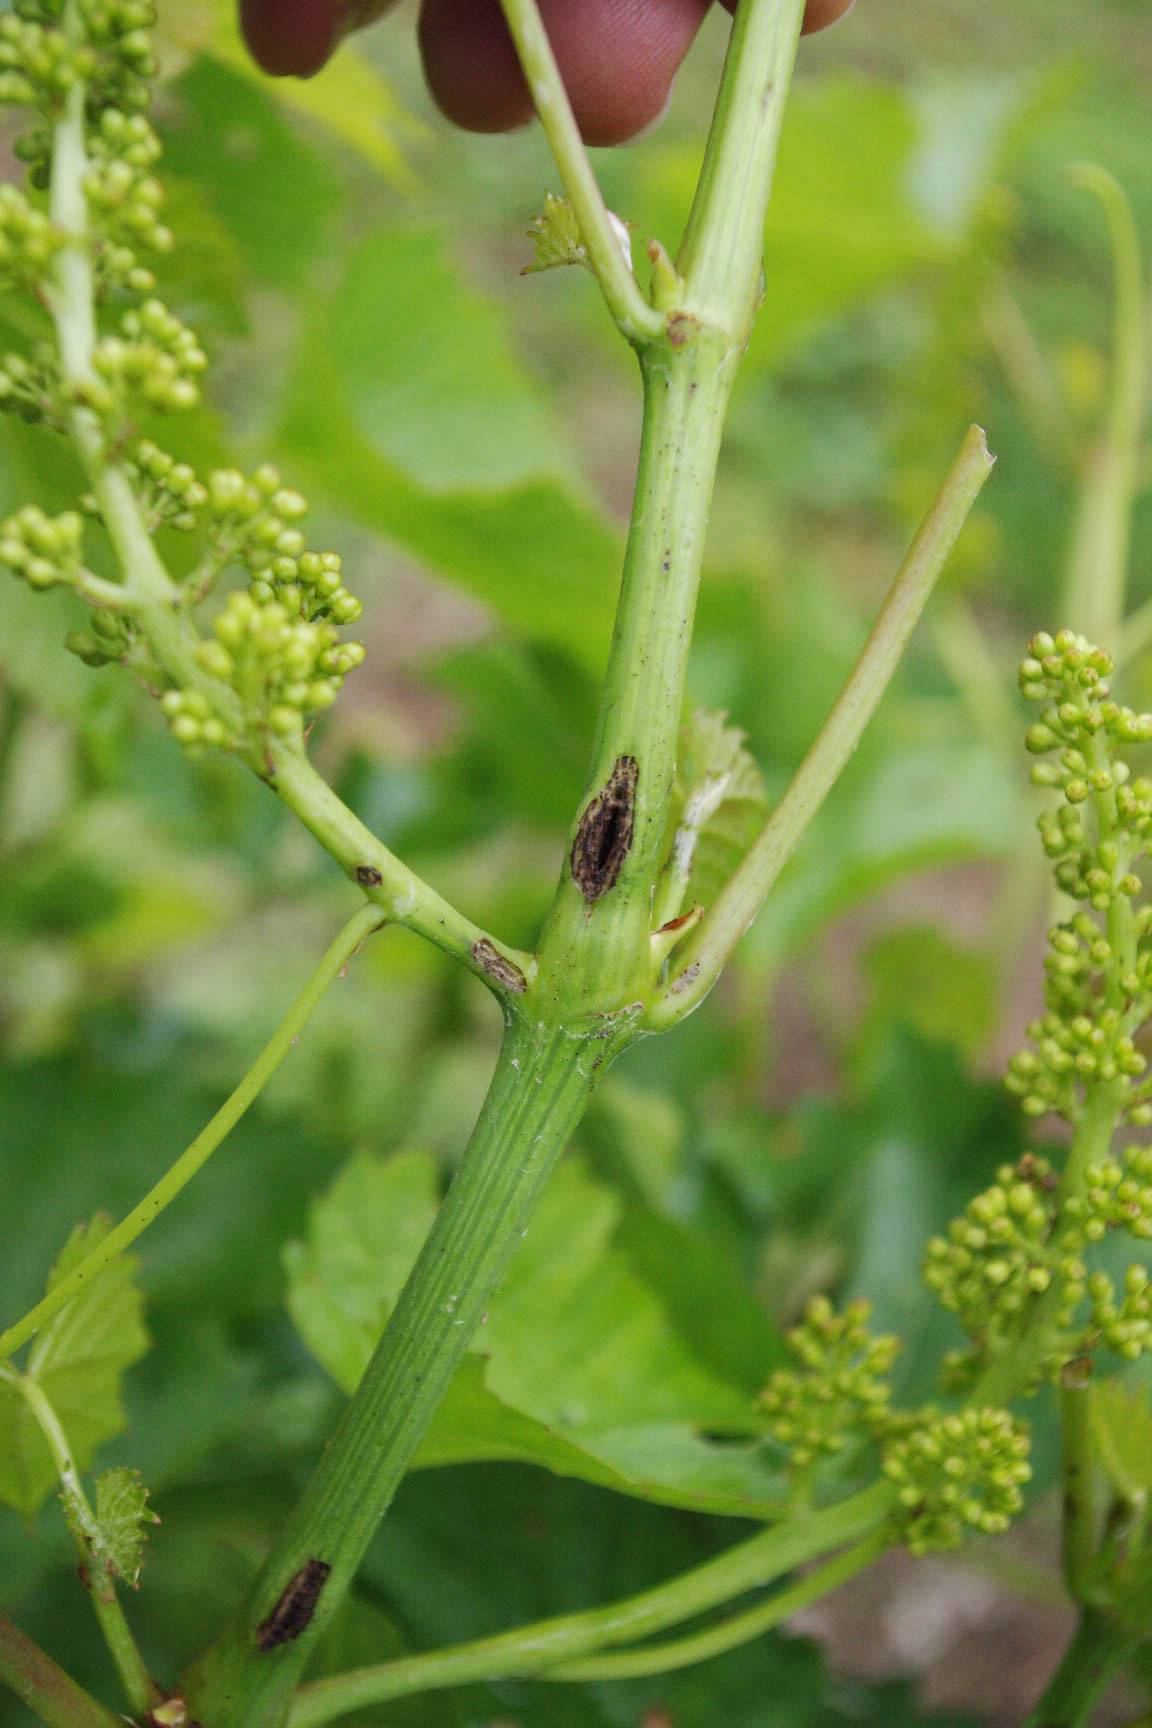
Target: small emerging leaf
556, 237
78, 1361
719, 803
1122, 1428
122, 1517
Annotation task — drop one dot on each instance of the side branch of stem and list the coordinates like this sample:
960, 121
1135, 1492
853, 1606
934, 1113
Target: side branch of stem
703, 957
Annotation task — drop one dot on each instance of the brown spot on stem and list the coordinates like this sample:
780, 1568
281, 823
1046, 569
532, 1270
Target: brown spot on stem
295, 1608
489, 959
368, 876
604, 837
688, 976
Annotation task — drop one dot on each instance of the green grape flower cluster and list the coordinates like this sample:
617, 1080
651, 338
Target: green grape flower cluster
1015, 1263
155, 362
41, 62
839, 1394
957, 1474
45, 550
124, 200
28, 240
1098, 981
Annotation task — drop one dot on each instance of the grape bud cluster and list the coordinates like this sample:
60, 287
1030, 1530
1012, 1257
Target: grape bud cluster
957, 1474
839, 1393
1098, 970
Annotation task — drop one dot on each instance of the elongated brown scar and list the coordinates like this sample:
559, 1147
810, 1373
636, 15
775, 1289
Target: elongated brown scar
604, 837
295, 1608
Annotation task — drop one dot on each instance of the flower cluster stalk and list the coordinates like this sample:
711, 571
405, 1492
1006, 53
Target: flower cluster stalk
547, 1648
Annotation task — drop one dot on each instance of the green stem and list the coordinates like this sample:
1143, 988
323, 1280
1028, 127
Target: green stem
45, 1688
354, 933
1080, 1525
1099, 1649
596, 943
139, 1689
539, 1091
1097, 576
702, 958
596, 949
388, 882
720, 257
607, 256
729, 1634
545, 1645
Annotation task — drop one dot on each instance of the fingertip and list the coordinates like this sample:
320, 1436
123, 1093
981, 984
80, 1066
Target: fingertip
619, 59
291, 38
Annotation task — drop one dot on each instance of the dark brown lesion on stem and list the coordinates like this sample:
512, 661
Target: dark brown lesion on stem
604, 837
296, 1606
498, 967
368, 876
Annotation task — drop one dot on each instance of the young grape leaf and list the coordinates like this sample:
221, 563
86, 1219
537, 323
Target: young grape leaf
718, 807
1122, 1428
78, 1361
122, 1517
556, 237
582, 1365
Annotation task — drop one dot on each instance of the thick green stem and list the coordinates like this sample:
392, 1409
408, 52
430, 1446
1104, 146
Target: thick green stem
539, 1092
595, 949
543, 1646
354, 933
45, 1688
702, 958
720, 257
1101, 1646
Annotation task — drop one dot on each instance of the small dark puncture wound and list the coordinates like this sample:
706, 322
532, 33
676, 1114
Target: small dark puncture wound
604, 837
295, 1608
488, 957
368, 876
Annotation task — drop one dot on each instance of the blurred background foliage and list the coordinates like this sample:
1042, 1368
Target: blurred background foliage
467, 437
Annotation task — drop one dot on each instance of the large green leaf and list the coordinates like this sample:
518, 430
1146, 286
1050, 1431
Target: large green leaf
469, 477
843, 222
78, 1361
429, 372
583, 1365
